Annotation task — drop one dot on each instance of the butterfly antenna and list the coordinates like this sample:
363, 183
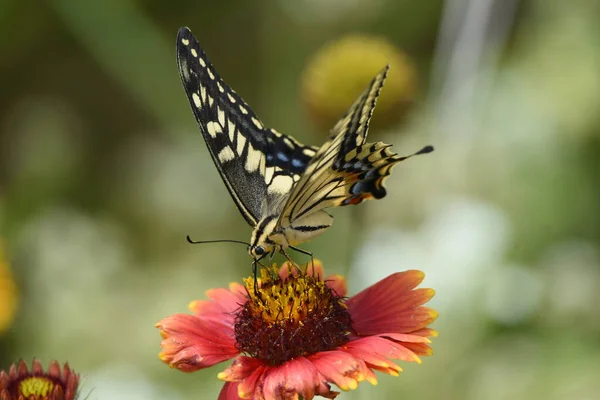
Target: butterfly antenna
215, 241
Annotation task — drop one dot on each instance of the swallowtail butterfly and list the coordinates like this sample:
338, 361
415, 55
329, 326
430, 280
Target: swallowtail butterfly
281, 186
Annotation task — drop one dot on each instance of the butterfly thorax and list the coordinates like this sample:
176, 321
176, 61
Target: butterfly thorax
263, 238
268, 235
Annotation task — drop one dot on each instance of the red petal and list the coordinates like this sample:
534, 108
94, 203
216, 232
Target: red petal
4, 379
192, 343
295, 377
337, 283
391, 305
36, 367
58, 393
223, 304
22, 368
379, 352
341, 368
249, 372
315, 269
421, 349
404, 337
54, 370
229, 391
241, 368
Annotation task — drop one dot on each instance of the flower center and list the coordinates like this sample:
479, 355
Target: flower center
291, 317
35, 387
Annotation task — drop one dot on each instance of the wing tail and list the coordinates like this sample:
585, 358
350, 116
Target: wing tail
365, 170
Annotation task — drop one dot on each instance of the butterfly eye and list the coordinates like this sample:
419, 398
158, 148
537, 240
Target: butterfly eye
259, 250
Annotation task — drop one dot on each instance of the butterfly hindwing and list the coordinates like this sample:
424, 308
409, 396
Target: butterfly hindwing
345, 170
258, 165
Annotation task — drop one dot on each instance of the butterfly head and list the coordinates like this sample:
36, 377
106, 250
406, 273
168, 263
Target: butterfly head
257, 252
262, 242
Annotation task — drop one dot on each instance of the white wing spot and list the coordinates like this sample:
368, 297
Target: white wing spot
275, 132
269, 174
308, 152
220, 87
203, 94
241, 142
253, 159
288, 142
243, 109
197, 101
210, 101
185, 42
257, 123
210, 74
221, 116
213, 129
194, 52
230, 130
281, 184
231, 98
226, 155
202, 62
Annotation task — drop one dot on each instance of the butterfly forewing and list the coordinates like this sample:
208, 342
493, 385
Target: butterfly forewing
258, 165
352, 128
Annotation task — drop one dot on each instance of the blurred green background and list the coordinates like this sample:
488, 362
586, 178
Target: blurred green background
103, 172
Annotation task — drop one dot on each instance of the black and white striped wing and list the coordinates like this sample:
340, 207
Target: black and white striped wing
346, 169
256, 163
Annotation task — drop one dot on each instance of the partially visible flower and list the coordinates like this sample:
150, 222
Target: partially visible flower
294, 333
340, 71
55, 384
8, 293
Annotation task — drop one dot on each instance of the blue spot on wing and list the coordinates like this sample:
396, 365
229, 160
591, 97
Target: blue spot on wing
296, 163
282, 156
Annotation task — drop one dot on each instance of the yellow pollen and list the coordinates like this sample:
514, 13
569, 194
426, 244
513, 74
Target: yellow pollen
36, 386
293, 299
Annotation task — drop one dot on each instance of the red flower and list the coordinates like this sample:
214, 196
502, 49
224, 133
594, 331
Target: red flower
55, 384
296, 333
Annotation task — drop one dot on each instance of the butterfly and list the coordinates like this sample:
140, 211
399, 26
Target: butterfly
281, 186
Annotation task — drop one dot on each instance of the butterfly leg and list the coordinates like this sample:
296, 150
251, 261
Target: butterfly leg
255, 264
254, 273
292, 263
308, 253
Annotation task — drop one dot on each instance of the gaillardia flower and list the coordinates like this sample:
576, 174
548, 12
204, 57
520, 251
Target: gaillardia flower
294, 333
55, 384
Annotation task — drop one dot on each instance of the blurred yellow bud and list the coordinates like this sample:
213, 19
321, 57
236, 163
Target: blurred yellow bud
339, 72
8, 293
